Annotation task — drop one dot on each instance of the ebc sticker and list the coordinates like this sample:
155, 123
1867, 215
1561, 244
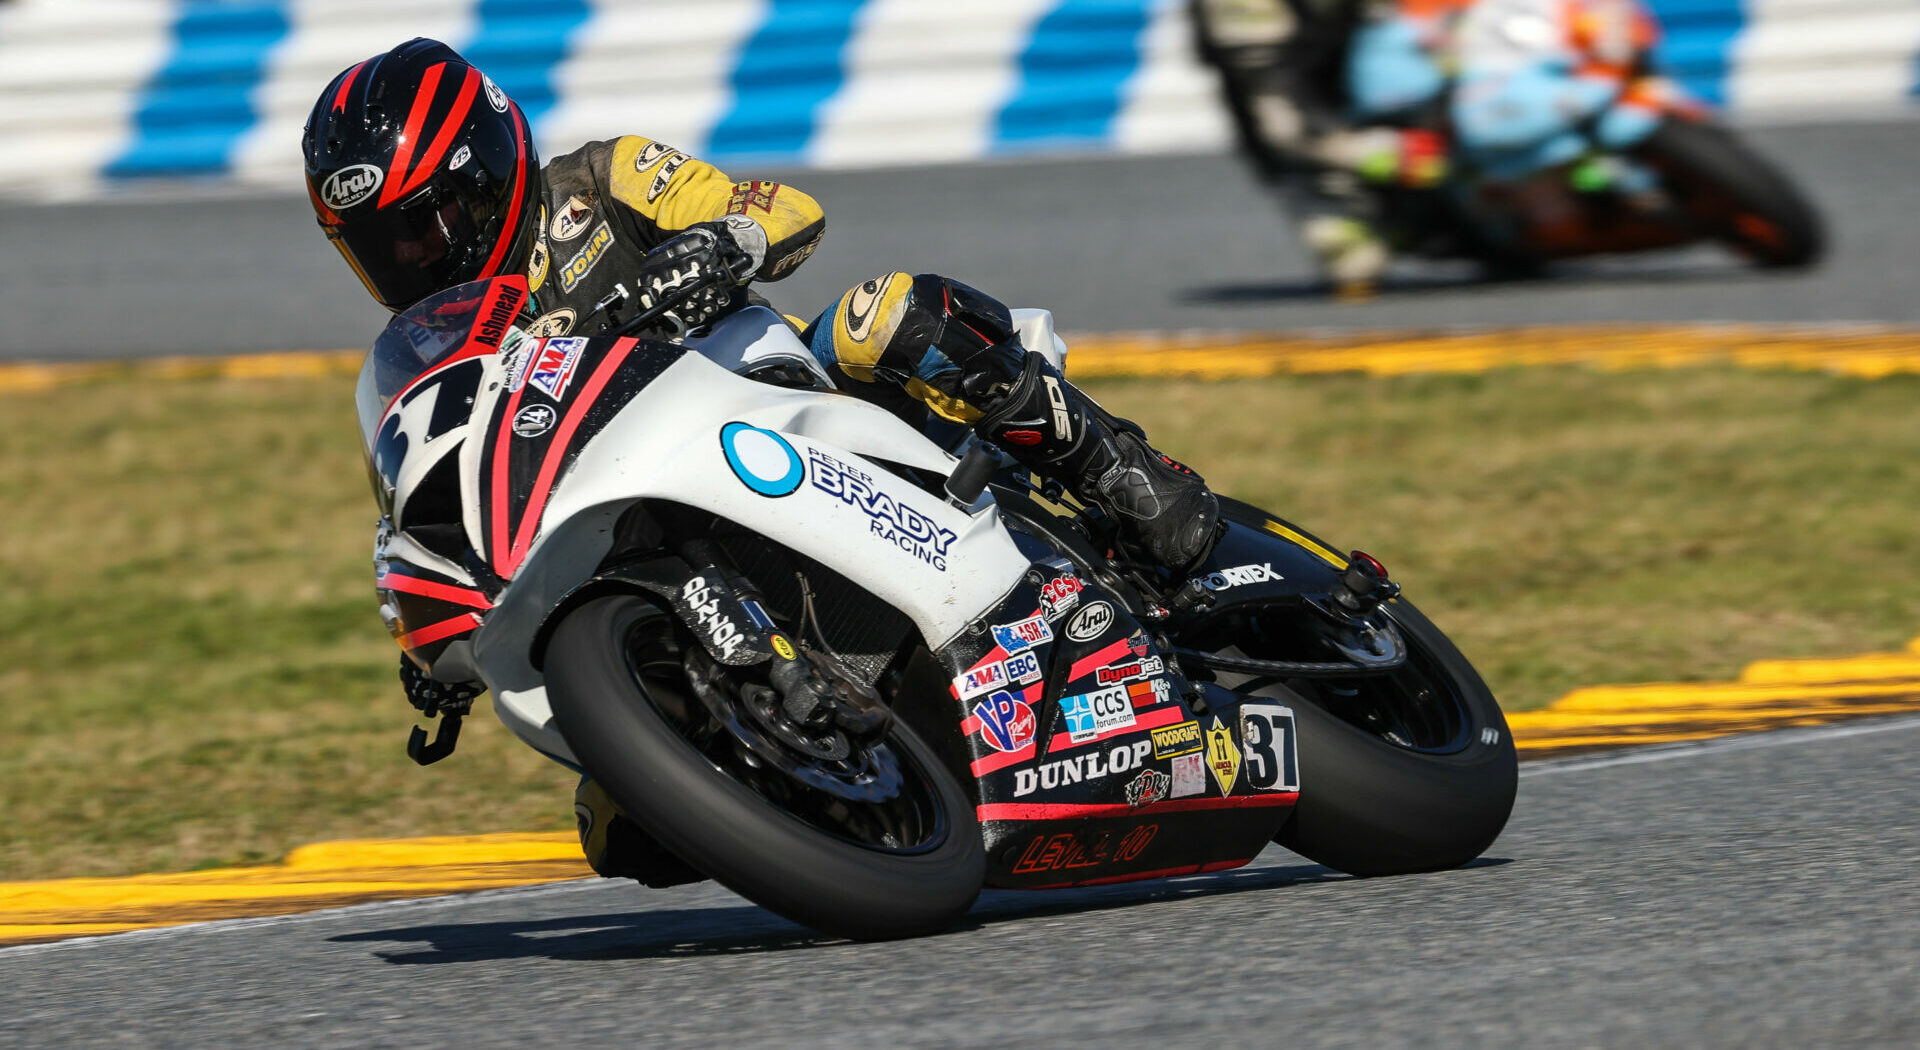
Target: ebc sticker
1017, 637
1006, 722
762, 459
1024, 667
1090, 622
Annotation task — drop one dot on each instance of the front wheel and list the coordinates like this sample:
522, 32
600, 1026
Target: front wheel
867, 869
1410, 771
1736, 196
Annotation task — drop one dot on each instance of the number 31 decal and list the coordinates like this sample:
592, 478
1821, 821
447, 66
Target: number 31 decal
1266, 730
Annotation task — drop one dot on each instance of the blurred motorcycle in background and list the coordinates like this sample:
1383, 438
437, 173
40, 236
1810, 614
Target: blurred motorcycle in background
1540, 130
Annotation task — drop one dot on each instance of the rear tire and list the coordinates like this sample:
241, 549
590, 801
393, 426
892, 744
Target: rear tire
610, 676
1737, 196
1369, 806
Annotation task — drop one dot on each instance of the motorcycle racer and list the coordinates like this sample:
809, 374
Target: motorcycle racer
1289, 71
423, 174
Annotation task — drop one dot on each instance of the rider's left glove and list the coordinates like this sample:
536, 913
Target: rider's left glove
1412, 158
433, 696
718, 256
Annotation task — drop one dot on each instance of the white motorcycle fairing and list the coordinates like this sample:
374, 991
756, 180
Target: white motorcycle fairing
803, 468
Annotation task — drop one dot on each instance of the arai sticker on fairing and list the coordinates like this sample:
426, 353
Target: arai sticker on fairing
762, 459
1090, 622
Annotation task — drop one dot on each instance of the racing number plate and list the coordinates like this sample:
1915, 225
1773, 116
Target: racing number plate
1267, 737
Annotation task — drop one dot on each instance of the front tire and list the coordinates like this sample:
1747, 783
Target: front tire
617, 689
1406, 790
1737, 196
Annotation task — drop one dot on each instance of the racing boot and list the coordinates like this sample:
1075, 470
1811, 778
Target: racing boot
1164, 510
1350, 253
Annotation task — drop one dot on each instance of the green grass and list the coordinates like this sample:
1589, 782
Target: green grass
192, 672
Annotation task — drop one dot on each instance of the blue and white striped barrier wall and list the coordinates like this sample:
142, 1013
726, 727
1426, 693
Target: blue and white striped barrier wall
97, 92
94, 91
1780, 56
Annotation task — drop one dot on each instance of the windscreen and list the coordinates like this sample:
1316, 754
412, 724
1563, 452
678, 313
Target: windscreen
464, 320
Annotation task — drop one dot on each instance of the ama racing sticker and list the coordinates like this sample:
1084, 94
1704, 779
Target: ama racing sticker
551, 367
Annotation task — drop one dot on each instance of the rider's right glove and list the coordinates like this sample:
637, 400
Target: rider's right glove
719, 256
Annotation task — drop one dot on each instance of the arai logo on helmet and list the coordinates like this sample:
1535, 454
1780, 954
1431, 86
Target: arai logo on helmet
494, 95
762, 459
350, 185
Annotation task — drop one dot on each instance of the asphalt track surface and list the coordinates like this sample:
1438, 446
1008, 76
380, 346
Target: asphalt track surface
1750, 891
1109, 245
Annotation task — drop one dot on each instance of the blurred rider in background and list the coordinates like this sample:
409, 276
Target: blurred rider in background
1295, 75
423, 174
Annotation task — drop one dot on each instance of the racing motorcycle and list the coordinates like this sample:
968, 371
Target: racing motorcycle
856, 677
1564, 140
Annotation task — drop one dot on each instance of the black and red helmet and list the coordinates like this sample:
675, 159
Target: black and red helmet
422, 172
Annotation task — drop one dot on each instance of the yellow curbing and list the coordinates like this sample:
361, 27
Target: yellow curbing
323, 875
1767, 695
36, 376
1869, 352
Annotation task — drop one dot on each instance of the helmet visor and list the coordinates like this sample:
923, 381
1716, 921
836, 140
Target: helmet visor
407, 251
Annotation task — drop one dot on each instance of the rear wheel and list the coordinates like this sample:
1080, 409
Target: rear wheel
1412, 770
1735, 194
823, 847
